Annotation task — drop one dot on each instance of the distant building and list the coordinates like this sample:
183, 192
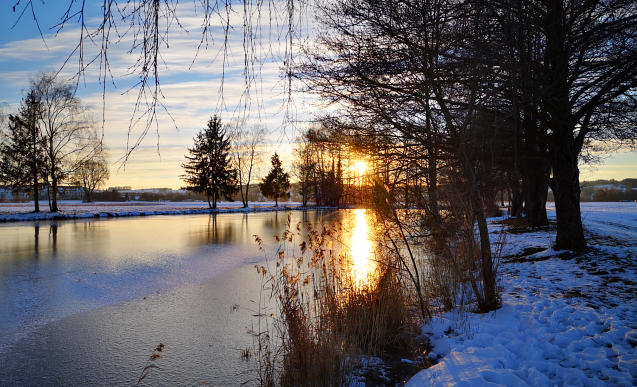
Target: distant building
120, 188
8, 194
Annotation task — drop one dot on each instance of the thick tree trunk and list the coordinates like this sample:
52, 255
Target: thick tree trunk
564, 152
87, 195
570, 233
245, 197
54, 195
536, 171
490, 202
515, 195
535, 192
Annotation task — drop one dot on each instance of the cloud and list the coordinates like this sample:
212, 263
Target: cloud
191, 90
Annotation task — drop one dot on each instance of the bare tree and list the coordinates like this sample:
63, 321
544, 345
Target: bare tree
269, 30
588, 92
414, 75
66, 131
246, 155
92, 173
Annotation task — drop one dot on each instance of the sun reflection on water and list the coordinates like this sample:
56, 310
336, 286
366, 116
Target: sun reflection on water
363, 266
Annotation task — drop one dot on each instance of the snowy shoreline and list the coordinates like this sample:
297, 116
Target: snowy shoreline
565, 319
19, 212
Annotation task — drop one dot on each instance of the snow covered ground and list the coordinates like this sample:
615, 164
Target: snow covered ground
75, 209
565, 319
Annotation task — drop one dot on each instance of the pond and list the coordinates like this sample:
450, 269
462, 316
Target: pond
87, 302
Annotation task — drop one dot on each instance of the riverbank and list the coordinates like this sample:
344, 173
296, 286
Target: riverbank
566, 318
20, 212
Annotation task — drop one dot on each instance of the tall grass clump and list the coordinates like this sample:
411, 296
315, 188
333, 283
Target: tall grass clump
324, 318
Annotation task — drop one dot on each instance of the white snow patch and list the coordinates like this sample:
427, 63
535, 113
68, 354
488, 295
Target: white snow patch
562, 321
73, 209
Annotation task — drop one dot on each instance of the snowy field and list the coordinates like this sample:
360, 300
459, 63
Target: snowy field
75, 209
565, 319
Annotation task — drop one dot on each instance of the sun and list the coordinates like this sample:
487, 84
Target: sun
360, 167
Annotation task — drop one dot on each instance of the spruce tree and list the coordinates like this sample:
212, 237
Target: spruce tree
22, 155
277, 182
208, 169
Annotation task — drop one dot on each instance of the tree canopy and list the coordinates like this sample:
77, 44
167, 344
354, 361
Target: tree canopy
208, 169
277, 182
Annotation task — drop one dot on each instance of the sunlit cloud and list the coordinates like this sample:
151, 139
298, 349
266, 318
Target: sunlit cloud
192, 90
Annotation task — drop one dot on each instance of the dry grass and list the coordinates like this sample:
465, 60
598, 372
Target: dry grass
324, 320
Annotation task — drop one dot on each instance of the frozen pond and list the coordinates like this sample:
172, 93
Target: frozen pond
86, 302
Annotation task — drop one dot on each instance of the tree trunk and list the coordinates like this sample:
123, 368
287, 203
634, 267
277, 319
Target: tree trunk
36, 193
54, 194
489, 297
432, 185
564, 152
488, 300
245, 197
570, 233
490, 202
48, 195
35, 172
536, 171
516, 196
535, 192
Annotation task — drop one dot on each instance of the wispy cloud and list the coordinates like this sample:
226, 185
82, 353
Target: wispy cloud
192, 91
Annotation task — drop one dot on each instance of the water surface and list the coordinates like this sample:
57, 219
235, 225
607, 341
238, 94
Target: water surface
86, 302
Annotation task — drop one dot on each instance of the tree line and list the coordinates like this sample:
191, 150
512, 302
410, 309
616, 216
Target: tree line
51, 140
220, 163
458, 100
493, 95
223, 161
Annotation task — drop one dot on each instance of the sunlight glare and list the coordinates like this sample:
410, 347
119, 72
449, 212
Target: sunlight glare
361, 249
360, 167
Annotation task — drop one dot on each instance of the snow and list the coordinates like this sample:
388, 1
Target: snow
565, 319
74, 209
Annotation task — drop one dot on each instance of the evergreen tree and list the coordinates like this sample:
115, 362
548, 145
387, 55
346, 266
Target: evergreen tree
22, 155
277, 182
209, 168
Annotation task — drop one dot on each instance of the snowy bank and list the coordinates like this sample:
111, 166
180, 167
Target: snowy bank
565, 319
17, 212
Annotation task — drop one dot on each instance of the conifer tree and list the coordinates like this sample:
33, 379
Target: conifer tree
209, 168
22, 155
277, 182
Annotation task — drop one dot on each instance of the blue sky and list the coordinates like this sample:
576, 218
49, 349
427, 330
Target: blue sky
192, 93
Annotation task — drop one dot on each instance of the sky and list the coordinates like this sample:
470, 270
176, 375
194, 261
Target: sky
191, 88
